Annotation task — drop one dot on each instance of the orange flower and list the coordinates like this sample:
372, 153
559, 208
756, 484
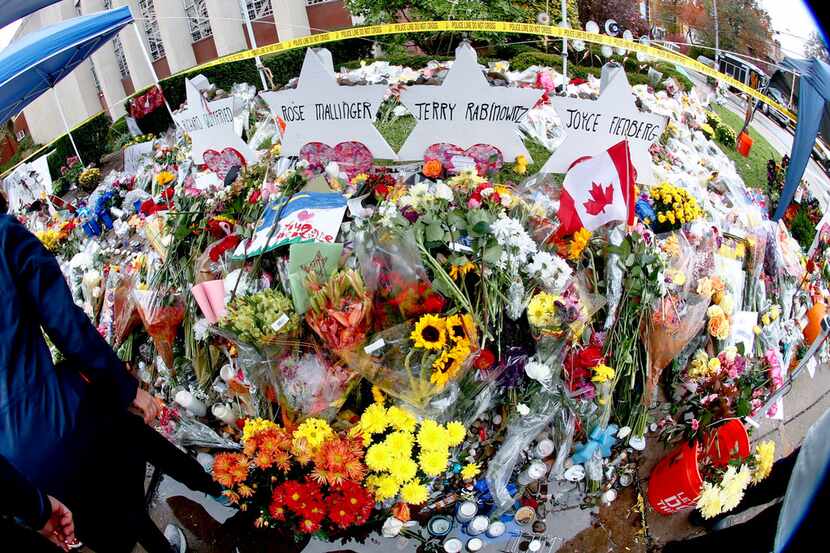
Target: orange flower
338, 459
432, 168
230, 469
401, 511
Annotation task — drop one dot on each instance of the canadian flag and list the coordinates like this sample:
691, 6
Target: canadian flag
598, 190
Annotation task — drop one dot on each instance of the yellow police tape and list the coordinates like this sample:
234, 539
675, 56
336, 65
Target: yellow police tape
495, 27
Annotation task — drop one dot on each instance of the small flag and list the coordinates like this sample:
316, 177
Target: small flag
598, 190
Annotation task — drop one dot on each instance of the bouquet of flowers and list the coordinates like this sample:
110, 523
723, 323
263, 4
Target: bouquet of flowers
724, 487
262, 320
311, 478
340, 310
673, 206
415, 361
162, 316
403, 454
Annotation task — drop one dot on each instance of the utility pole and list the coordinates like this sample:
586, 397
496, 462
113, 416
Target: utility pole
243, 6
717, 34
564, 43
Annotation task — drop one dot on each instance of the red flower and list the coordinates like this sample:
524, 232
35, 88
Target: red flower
255, 196
277, 511
484, 360
590, 357
308, 526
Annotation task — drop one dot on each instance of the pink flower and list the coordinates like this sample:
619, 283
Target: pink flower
472, 203
695, 425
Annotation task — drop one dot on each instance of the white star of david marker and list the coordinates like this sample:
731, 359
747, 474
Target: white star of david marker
593, 126
210, 125
320, 110
466, 110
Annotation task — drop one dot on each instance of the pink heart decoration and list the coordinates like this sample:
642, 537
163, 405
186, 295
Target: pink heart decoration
488, 159
305, 215
352, 157
221, 162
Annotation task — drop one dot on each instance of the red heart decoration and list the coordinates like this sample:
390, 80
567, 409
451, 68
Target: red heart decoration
488, 159
221, 162
352, 157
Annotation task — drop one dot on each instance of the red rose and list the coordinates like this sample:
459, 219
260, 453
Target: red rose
589, 357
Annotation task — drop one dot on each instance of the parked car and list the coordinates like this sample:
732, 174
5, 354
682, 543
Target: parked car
821, 153
773, 113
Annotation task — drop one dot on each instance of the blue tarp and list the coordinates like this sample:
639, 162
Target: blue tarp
33, 64
813, 94
12, 10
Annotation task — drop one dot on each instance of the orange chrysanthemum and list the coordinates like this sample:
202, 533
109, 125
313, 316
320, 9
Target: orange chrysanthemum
338, 459
230, 469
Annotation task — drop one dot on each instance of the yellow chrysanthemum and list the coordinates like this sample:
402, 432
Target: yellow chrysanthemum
400, 444
314, 432
414, 493
377, 395
374, 419
764, 458
385, 487
460, 271
603, 373
430, 332
456, 432
541, 309
734, 485
403, 470
470, 471
401, 419
433, 436
433, 462
578, 244
379, 457
709, 502
255, 426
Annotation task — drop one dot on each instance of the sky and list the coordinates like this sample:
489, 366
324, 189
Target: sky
793, 21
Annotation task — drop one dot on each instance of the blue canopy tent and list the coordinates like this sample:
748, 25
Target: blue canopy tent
814, 93
12, 10
36, 62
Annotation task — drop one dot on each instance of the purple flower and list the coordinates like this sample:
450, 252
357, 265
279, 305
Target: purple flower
410, 214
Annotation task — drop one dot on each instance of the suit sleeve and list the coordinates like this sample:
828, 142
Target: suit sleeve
69, 328
20, 498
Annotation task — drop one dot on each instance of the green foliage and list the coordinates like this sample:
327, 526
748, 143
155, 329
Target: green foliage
726, 135
23, 147
803, 229
91, 139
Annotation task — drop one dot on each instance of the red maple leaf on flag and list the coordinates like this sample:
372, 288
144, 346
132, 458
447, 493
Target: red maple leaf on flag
599, 198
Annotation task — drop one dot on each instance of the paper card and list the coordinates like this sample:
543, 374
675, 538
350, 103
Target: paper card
811, 367
135, 155
743, 323
733, 275
593, 126
28, 182
210, 125
320, 110
132, 126
306, 259
305, 217
466, 110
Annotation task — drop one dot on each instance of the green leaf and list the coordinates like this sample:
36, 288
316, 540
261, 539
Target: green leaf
492, 254
442, 287
434, 232
480, 229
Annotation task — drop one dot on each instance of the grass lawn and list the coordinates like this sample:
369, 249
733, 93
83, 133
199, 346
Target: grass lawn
395, 130
752, 169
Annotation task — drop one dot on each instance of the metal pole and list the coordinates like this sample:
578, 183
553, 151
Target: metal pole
66, 126
261, 68
564, 42
152, 69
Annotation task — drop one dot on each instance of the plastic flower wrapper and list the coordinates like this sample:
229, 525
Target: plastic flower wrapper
162, 315
184, 430
564, 315
417, 361
392, 270
264, 320
340, 310
126, 316
543, 406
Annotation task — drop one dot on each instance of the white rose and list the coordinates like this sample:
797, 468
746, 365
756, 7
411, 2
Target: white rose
92, 278
399, 111
392, 527
523, 409
443, 192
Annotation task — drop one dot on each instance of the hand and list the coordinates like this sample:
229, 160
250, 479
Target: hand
147, 405
59, 529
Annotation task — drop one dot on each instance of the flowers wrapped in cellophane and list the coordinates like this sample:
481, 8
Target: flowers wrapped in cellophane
310, 480
184, 430
340, 310
162, 315
417, 360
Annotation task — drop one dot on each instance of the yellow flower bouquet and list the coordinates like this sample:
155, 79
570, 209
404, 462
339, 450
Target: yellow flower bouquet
673, 206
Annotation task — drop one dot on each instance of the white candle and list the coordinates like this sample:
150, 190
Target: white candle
223, 413
544, 448
226, 373
478, 525
186, 400
534, 472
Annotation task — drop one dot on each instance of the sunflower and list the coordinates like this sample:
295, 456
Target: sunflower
460, 271
456, 327
430, 332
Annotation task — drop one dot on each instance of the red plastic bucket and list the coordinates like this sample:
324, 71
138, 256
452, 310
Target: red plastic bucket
675, 482
744, 144
729, 443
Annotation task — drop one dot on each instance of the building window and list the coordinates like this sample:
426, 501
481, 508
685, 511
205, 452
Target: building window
316, 2
258, 9
151, 29
198, 19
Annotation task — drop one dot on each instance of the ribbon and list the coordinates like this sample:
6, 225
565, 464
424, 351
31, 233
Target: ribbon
599, 439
